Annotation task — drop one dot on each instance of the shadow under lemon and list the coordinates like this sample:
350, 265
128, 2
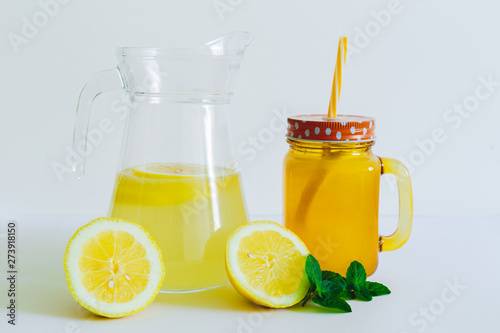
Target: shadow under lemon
310, 307
221, 298
227, 298
51, 299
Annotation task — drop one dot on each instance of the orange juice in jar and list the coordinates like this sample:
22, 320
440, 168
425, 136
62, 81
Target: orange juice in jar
331, 190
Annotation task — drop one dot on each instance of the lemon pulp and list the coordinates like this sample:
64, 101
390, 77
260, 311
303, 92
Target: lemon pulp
271, 263
113, 267
266, 264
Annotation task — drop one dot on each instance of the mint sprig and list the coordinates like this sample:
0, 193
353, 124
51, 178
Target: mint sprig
330, 289
324, 292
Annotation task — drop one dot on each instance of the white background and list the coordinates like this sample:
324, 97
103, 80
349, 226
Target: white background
408, 71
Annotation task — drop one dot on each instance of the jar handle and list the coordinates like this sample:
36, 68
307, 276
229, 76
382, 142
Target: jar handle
402, 233
100, 82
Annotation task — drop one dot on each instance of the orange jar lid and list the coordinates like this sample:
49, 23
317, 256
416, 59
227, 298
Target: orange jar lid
343, 128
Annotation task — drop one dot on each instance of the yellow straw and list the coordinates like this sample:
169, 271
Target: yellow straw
337, 77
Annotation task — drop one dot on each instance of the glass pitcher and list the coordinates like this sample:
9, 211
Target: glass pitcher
177, 177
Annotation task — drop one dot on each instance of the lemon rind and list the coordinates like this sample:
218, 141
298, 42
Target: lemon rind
86, 299
238, 278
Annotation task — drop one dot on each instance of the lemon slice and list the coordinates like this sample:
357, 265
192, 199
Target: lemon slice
170, 170
265, 263
113, 267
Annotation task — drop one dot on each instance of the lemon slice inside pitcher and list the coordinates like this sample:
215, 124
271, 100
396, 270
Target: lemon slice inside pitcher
170, 170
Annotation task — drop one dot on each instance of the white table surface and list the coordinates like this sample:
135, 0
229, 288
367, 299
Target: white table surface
441, 251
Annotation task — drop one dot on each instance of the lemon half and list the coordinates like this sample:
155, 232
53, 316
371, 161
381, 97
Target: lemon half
265, 263
113, 267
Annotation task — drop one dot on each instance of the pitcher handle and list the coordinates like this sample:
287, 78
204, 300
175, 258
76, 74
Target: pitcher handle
402, 233
97, 84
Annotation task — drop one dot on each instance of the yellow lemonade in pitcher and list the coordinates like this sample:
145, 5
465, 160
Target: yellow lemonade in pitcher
179, 205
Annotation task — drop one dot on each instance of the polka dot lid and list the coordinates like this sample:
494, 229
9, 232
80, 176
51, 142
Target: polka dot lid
343, 128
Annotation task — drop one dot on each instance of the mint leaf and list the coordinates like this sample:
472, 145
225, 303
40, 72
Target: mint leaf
348, 294
334, 281
377, 289
331, 287
363, 293
336, 278
356, 274
313, 271
328, 275
332, 301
